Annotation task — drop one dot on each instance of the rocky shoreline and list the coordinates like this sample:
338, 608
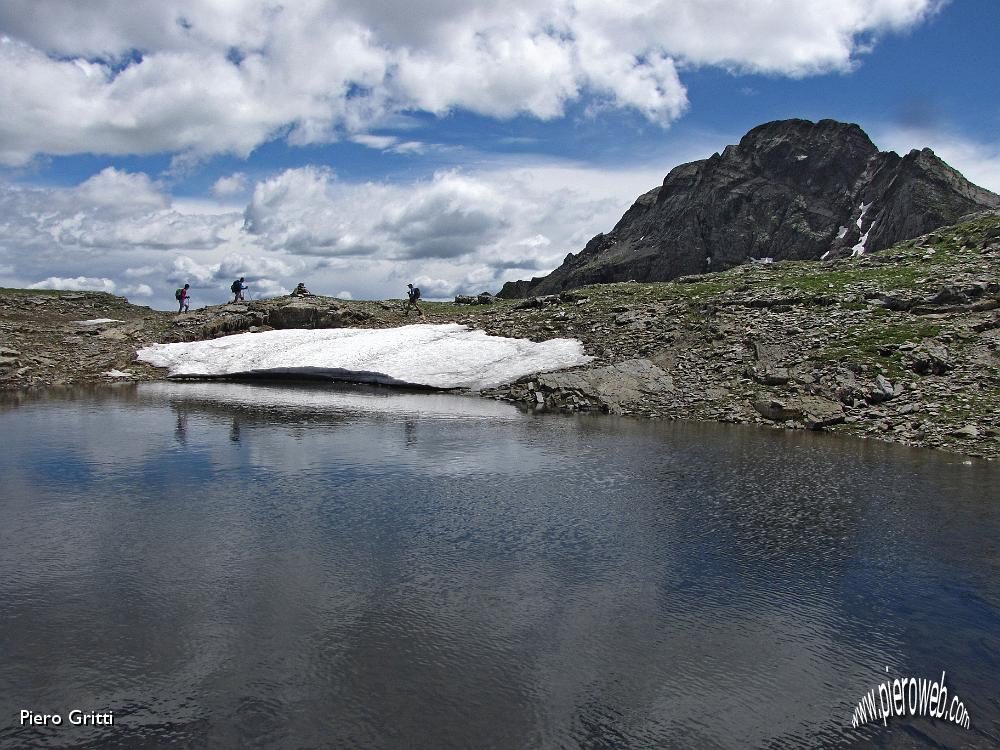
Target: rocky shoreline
901, 345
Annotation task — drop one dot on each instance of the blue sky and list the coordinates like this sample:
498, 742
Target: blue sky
360, 146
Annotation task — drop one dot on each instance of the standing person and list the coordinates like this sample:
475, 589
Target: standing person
183, 297
237, 288
413, 296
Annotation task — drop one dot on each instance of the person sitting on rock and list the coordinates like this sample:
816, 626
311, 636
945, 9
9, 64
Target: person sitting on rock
301, 291
413, 296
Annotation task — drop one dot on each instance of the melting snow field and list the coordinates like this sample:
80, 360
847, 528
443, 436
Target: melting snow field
438, 356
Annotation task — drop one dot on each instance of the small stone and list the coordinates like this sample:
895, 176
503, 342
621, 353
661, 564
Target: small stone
969, 431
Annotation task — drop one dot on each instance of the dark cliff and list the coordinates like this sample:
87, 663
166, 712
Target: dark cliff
790, 190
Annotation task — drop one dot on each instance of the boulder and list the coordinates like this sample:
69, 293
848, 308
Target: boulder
814, 412
483, 298
613, 388
931, 358
541, 301
313, 313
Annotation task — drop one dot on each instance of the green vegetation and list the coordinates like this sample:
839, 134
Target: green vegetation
875, 343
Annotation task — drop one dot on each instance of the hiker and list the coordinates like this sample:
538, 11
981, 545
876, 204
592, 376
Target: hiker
237, 289
413, 295
183, 297
301, 291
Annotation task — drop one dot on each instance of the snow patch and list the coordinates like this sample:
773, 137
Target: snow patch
117, 374
800, 157
859, 249
96, 321
841, 232
437, 356
825, 255
864, 209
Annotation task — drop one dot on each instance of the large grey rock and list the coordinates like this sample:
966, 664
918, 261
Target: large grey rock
931, 358
785, 192
313, 313
614, 388
769, 368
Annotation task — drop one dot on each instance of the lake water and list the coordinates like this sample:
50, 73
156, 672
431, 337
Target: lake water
227, 565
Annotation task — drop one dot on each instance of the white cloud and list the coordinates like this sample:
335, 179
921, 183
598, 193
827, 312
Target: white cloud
379, 142
77, 284
138, 290
121, 192
410, 147
231, 185
226, 77
111, 210
456, 232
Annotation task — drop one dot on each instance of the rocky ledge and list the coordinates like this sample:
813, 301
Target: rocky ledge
900, 345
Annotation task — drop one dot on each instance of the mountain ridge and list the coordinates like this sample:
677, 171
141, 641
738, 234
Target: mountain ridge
789, 190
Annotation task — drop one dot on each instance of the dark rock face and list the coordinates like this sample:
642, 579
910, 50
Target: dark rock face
791, 190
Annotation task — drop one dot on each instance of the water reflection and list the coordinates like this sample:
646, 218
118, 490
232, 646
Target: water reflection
332, 578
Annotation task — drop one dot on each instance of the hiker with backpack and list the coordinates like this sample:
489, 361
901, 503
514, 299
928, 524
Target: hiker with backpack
183, 298
237, 288
413, 296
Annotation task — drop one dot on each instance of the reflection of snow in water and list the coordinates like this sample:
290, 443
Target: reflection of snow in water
321, 400
439, 356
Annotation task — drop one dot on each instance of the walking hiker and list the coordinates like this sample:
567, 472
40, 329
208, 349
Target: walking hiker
413, 296
183, 297
237, 288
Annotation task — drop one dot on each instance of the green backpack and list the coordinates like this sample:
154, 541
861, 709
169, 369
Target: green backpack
179, 294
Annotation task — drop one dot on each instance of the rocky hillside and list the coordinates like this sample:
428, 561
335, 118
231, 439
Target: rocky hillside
790, 190
901, 345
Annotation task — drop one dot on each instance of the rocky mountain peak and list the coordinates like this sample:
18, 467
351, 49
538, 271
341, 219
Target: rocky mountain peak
790, 189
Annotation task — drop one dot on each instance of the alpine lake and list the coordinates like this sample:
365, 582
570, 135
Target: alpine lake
237, 565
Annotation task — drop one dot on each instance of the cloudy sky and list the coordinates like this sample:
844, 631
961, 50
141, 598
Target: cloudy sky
358, 145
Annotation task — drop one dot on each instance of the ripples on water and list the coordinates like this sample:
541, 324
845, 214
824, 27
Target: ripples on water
228, 565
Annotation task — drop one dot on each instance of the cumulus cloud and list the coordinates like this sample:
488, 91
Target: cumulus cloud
76, 284
506, 214
455, 231
200, 77
186, 270
138, 290
111, 210
232, 185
